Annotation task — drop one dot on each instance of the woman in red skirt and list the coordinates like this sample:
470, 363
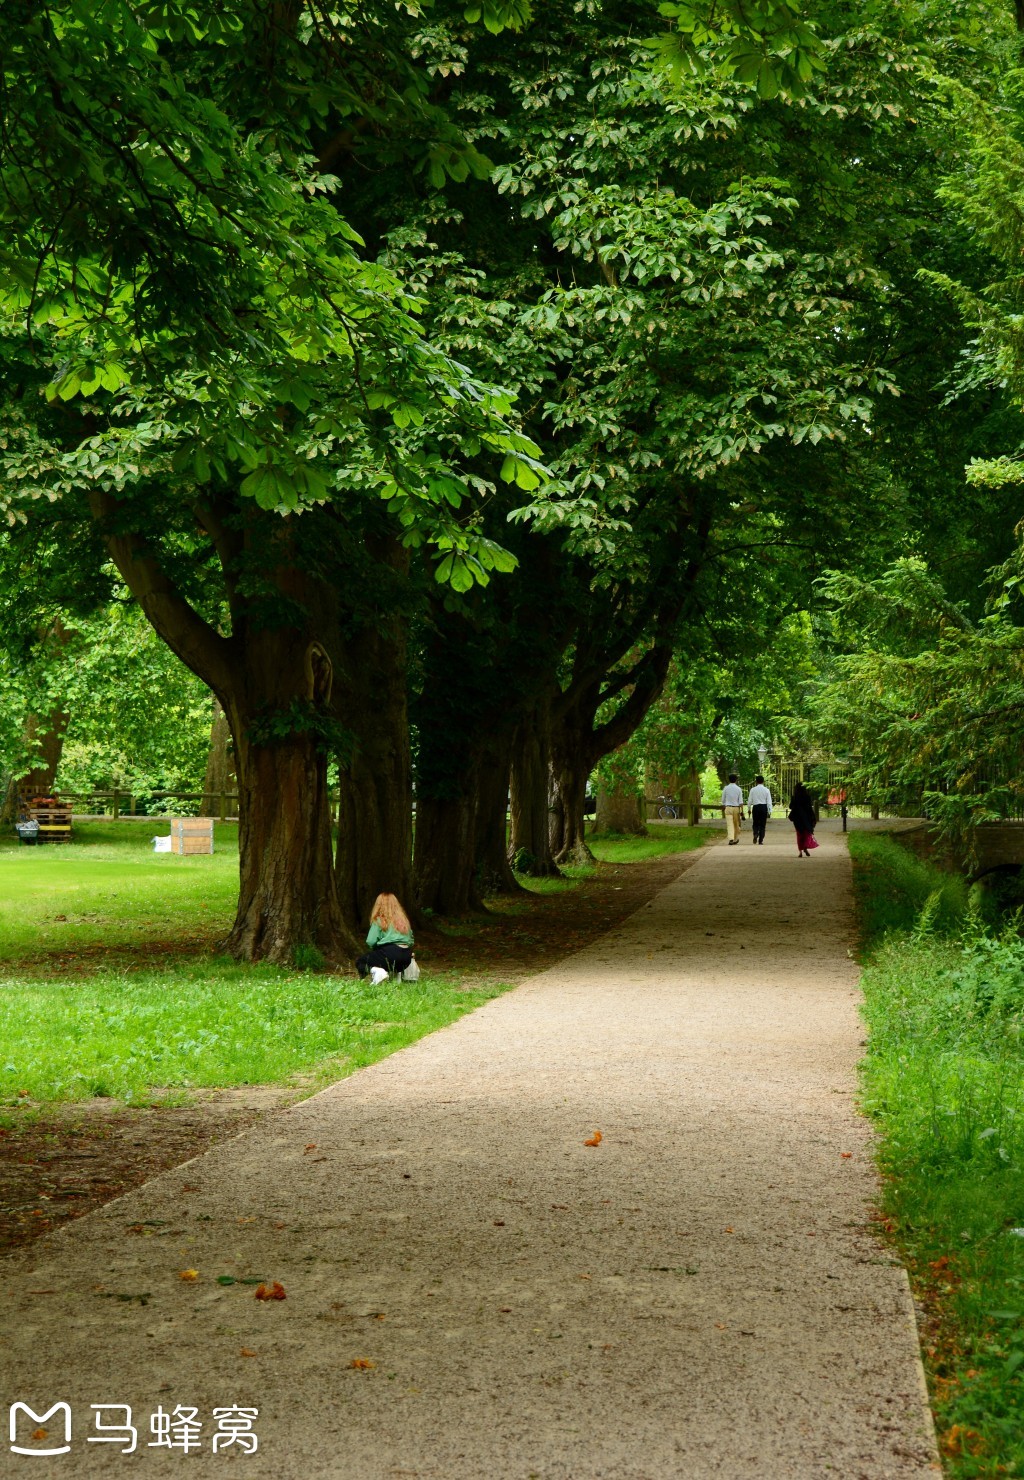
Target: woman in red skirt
801, 815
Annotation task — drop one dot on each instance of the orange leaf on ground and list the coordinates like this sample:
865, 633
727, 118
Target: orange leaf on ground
311, 1146
188, 1274
846, 1155
273, 1291
40, 1434
595, 1139
729, 1229
247, 1351
362, 1364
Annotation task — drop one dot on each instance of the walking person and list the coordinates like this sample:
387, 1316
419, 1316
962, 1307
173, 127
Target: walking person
759, 800
801, 815
389, 938
732, 808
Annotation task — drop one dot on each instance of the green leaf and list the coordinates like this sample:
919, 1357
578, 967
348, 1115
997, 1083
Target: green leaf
767, 81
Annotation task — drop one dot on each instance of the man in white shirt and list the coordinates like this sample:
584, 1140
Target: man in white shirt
759, 800
732, 809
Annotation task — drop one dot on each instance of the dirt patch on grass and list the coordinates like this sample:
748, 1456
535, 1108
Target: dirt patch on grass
57, 1167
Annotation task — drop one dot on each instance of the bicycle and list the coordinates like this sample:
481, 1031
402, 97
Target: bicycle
667, 809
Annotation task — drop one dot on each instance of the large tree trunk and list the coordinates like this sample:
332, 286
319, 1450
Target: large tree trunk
529, 836
569, 777
220, 776
445, 856
44, 737
620, 812
374, 853
493, 871
275, 684
287, 898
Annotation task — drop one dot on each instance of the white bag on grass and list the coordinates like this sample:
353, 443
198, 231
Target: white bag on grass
411, 972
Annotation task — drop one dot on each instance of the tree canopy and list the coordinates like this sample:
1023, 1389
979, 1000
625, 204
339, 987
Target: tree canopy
440, 379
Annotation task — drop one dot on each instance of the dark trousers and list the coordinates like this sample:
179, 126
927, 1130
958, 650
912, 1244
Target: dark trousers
759, 815
391, 957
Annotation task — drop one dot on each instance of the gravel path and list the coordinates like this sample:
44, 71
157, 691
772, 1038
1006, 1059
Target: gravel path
695, 1296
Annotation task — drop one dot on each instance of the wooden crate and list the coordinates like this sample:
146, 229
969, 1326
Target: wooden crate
191, 835
54, 819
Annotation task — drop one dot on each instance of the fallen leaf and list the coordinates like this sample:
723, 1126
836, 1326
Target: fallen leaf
729, 1229
247, 1351
720, 1327
499, 1223
505, 1310
274, 1291
362, 1364
846, 1155
39, 1433
583, 1276
311, 1146
595, 1139
188, 1274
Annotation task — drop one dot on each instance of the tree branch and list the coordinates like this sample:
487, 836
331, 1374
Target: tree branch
195, 642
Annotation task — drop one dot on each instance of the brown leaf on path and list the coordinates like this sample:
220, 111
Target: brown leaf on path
595, 1139
846, 1155
720, 1326
362, 1364
40, 1434
188, 1274
730, 1229
311, 1146
273, 1291
246, 1351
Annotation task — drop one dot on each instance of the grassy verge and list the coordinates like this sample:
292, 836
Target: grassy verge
208, 1024
77, 1025
662, 839
944, 1079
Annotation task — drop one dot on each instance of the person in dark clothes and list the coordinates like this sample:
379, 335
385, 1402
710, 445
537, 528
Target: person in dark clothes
389, 938
801, 815
759, 800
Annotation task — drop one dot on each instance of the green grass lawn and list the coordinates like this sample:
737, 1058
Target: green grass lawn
206, 1024
663, 838
80, 1022
108, 888
944, 1081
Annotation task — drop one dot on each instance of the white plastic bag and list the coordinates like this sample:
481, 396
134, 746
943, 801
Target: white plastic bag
162, 845
411, 972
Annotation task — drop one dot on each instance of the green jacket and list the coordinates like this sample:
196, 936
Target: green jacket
379, 937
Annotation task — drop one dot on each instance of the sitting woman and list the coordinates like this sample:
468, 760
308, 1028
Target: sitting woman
389, 938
